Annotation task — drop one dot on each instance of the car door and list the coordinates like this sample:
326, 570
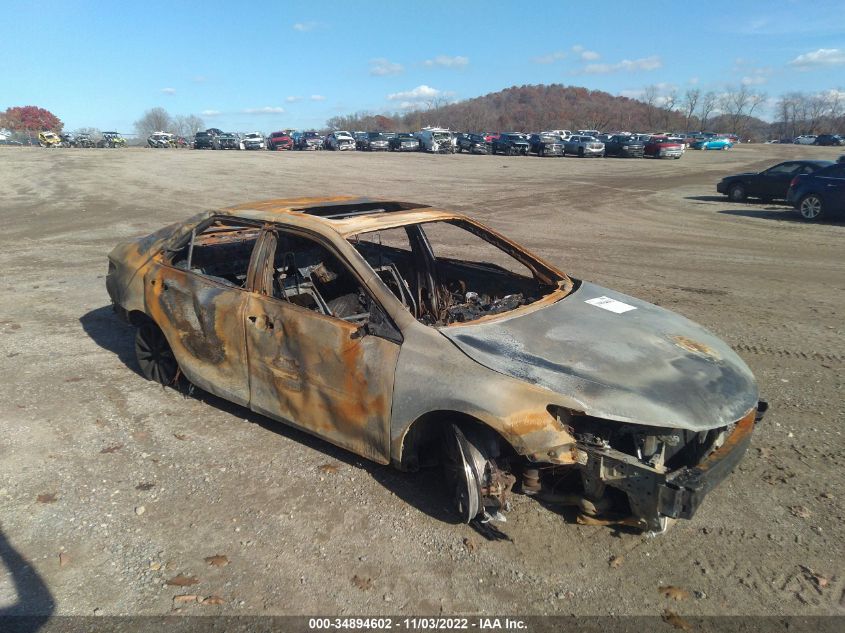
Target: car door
314, 360
202, 314
773, 182
833, 188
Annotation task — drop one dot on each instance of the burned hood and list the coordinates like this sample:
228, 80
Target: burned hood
618, 358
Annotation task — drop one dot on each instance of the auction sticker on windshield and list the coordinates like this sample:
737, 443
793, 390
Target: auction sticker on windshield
606, 303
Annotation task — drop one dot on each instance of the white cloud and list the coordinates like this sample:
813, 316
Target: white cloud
444, 61
419, 93
551, 58
211, 113
823, 57
317, 98
199, 79
754, 80
381, 66
584, 54
305, 26
168, 91
626, 65
292, 99
265, 110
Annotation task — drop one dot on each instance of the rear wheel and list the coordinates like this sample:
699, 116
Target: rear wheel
154, 355
811, 207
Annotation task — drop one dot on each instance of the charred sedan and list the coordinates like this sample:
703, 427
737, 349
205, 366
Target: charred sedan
411, 335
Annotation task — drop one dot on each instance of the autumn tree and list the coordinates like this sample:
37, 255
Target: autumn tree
30, 118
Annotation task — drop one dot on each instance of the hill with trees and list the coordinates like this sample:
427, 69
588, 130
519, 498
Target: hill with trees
555, 106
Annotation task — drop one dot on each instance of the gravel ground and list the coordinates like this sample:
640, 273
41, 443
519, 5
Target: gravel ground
118, 496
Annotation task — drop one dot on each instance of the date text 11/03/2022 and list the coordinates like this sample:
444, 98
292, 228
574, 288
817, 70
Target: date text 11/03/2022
419, 624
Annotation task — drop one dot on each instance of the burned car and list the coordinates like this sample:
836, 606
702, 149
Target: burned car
414, 336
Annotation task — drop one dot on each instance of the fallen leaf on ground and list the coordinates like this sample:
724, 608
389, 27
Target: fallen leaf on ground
183, 581
800, 511
145, 485
329, 469
64, 559
112, 449
362, 583
47, 497
469, 544
674, 593
821, 581
218, 560
615, 562
180, 436
213, 600
186, 598
670, 617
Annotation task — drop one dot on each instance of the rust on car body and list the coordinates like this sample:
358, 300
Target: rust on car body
279, 305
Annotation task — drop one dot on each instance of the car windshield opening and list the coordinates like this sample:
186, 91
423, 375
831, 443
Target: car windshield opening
454, 271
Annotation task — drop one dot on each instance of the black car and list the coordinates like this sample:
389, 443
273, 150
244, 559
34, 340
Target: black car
403, 142
819, 194
511, 145
545, 145
473, 143
623, 146
372, 142
204, 140
769, 184
829, 139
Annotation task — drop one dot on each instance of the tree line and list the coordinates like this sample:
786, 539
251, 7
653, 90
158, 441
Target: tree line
541, 107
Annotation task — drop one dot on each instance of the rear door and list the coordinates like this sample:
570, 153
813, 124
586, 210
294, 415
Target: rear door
197, 296
833, 188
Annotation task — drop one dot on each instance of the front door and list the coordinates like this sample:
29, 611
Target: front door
312, 360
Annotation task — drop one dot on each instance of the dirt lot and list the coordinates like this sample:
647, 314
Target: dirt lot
111, 486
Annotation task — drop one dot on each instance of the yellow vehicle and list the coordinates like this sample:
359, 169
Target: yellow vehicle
49, 139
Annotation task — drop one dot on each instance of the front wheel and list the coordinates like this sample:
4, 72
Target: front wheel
811, 207
737, 193
154, 355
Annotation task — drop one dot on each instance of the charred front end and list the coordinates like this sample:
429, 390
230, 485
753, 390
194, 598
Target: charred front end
639, 475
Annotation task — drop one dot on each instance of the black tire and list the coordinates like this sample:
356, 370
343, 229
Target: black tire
155, 358
811, 207
737, 193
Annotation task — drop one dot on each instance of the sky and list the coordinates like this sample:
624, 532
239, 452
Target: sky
268, 65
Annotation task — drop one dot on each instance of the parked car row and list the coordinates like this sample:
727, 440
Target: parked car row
812, 139
815, 188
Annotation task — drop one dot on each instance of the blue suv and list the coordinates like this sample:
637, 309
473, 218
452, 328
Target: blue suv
821, 194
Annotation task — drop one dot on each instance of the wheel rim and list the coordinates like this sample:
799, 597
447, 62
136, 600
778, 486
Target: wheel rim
811, 207
737, 193
460, 476
154, 355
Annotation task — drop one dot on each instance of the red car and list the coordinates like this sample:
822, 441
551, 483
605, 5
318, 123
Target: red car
489, 137
662, 147
279, 140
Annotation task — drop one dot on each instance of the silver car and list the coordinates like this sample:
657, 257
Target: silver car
583, 146
414, 336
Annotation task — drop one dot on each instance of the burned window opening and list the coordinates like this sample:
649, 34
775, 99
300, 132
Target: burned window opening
220, 251
307, 274
440, 290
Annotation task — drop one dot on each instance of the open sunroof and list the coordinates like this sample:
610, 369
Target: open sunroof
352, 208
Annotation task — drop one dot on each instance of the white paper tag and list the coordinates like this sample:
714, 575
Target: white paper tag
606, 303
